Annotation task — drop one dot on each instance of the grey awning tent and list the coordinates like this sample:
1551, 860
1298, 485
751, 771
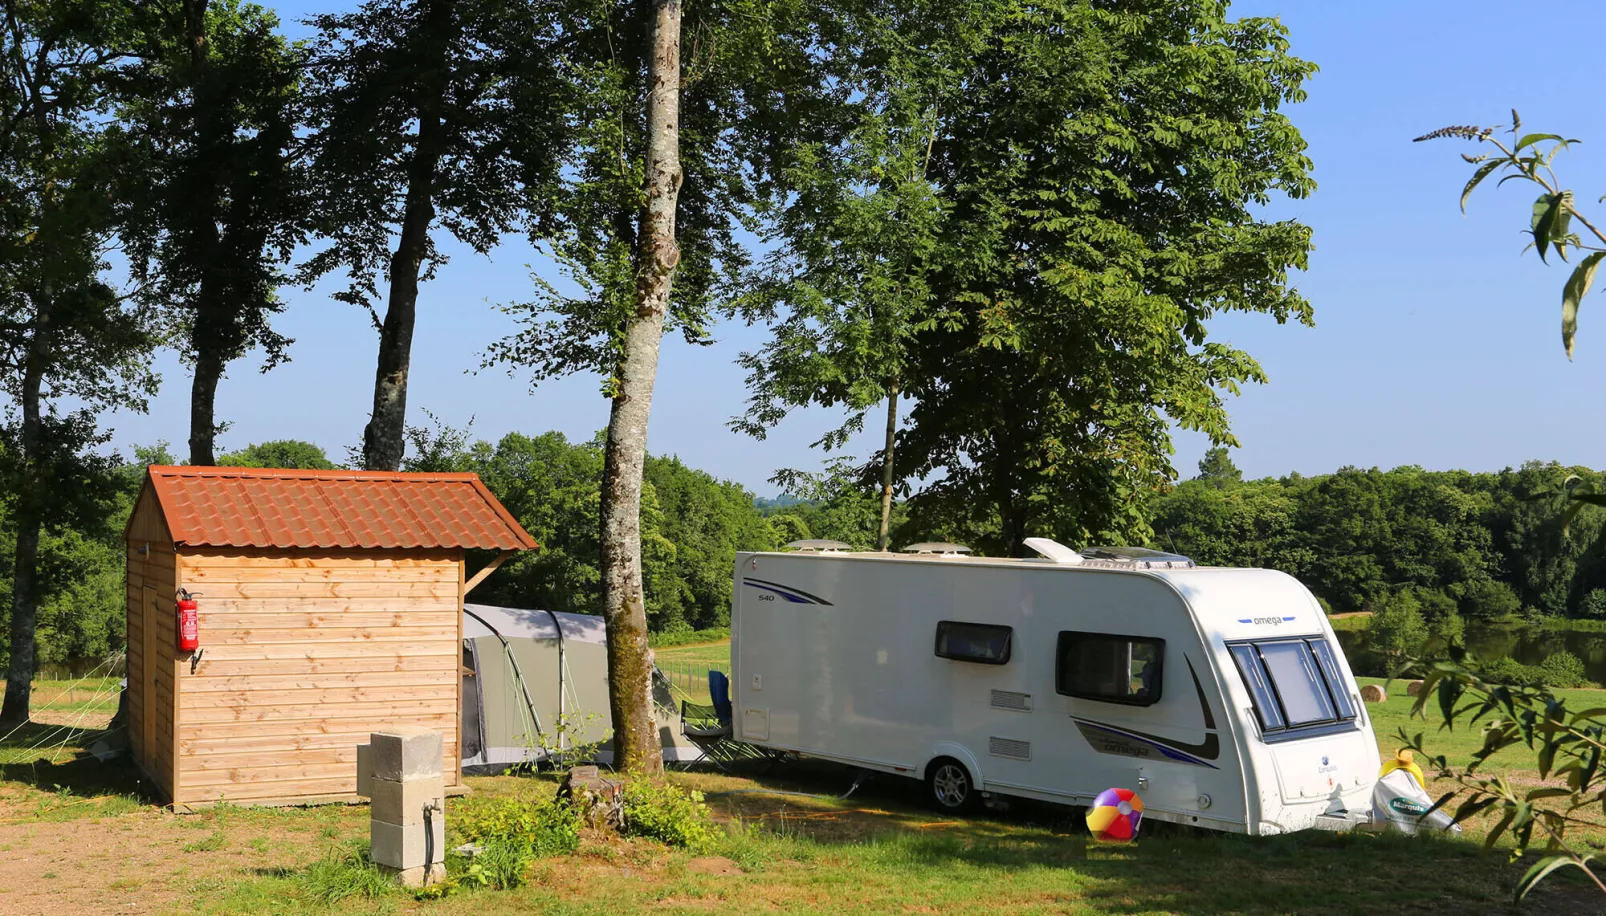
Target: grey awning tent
536, 683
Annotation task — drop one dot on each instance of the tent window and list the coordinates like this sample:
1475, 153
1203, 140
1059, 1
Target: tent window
1109, 668
1297, 685
974, 642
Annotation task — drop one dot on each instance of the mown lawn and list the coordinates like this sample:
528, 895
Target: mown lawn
788, 845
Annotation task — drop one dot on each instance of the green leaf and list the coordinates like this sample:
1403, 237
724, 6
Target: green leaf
1547, 209
1544, 867
1531, 139
1478, 176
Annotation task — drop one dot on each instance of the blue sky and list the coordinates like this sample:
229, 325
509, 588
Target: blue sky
1435, 344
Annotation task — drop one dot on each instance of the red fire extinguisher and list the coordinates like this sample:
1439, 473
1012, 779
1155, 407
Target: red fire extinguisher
188, 622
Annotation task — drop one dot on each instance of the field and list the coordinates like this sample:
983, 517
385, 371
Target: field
79, 836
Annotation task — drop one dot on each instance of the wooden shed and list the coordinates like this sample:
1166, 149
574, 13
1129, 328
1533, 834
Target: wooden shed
330, 605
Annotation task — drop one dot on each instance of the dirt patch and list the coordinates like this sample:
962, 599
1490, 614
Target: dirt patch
152, 862
713, 865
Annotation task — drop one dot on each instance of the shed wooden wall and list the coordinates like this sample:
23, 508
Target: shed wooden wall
305, 653
151, 681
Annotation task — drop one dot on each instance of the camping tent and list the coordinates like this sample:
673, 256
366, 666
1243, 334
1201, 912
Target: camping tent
536, 683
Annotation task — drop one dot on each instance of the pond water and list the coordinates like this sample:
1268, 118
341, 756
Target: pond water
1528, 645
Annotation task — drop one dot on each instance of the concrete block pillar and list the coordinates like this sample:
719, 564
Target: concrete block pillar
407, 814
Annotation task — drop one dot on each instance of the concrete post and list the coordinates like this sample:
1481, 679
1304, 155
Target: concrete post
407, 814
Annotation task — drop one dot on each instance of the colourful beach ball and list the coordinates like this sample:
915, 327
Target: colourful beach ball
1115, 815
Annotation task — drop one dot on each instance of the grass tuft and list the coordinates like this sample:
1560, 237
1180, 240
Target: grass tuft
345, 874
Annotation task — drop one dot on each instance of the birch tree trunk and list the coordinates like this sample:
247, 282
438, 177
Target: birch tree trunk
637, 748
884, 536
383, 440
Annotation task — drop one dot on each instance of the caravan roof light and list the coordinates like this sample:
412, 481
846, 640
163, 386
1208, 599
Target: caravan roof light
941, 548
819, 545
1141, 557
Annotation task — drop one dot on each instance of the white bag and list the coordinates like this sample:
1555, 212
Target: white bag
1397, 799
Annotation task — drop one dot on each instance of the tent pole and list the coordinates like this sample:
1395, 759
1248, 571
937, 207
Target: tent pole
558, 625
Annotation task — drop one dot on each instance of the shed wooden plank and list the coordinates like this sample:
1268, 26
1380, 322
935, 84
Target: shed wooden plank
309, 695
312, 558
310, 713
228, 734
286, 619
437, 588
206, 576
217, 635
410, 664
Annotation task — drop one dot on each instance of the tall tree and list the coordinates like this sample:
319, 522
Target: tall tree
65, 334
429, 113
668, 168
846, 284
217, 203
1217, 469
1101, 172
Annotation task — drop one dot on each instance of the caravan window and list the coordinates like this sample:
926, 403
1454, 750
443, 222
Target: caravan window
1110, 668
1296, 684
974, 642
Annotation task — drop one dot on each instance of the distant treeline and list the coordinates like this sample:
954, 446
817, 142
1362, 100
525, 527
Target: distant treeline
1442, 543
1484, 545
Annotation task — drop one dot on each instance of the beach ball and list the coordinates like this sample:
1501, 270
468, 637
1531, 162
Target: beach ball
1115, 815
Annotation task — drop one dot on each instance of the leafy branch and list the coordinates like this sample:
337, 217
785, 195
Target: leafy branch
1529, 157
1565, 744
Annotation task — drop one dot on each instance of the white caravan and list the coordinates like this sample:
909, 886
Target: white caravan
1219, 695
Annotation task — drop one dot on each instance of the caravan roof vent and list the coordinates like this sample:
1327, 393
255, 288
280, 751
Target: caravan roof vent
1141, 557
942, 548
818, 545
1050, 549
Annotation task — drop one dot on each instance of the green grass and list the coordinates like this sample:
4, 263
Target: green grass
1457, 744
880, 852
1352, 624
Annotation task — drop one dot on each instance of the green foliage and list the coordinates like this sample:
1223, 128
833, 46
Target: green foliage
550, 827
1566, 744
280, 453
344, 874
1216, 468
1563, 669
1397, 629
669, 814
688, 637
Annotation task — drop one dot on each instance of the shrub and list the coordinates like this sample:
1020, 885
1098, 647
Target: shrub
1486, 599
668, 814
1397, 628
345, 873
1593, 606
549, 828
1563, 669
1509, 672
512, 835
1450, 628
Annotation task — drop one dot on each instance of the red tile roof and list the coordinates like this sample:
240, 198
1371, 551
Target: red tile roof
258, 507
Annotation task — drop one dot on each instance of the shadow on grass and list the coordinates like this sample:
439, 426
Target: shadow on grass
45, 758
885, 827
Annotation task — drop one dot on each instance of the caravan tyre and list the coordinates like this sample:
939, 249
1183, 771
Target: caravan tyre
949, 786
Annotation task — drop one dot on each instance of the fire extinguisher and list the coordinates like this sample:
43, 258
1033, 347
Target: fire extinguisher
188, 622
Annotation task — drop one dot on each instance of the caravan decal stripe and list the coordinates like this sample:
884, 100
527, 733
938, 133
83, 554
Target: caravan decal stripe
1108, 739
794, 595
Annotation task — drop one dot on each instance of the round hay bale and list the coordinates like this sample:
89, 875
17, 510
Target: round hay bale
1374, 693
1413, 689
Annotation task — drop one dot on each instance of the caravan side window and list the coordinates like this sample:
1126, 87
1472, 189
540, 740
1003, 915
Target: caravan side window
1114, 669
974, 642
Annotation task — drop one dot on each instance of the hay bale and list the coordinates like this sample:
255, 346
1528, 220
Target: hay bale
1374, 693
1413, 689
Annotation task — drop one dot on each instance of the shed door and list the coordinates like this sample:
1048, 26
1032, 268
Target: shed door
148, 666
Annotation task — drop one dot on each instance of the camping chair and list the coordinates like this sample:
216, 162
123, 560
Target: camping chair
709, 727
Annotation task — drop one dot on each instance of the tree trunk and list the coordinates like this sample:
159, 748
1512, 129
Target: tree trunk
884, 536
635, 740
206, 336
203, 406
383, 441
24, 575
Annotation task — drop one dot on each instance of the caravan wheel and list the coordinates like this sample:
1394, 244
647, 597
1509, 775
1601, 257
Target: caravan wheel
949, 786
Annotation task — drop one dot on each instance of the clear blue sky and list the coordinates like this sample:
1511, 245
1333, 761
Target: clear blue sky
1435, 344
